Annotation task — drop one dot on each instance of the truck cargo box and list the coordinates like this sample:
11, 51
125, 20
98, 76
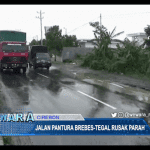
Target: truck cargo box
17, 36
38, 49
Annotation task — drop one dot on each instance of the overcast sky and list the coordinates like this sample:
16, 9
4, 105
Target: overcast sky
75, 18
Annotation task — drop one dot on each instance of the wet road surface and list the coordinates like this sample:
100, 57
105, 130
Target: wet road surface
50, 91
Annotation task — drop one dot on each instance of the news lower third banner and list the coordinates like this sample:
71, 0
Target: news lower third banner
69, 124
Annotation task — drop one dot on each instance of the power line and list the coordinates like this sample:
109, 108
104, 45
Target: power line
108, 17
82, 25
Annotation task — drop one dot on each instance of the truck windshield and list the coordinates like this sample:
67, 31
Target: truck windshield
43, 56
14, 48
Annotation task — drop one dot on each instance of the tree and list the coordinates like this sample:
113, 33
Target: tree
33, 42
69, 41
103, 39
147, 30
102, 33
147, 41
54, 40
44, 42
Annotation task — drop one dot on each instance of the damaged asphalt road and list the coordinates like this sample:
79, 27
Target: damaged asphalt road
53, 92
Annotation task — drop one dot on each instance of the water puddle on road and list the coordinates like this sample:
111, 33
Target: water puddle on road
67, 81
140, 94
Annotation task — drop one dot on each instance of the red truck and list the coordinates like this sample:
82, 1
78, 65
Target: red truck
13, 50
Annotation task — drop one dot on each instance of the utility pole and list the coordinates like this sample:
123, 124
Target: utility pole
100, 21
41, 24
37, 37
65, 30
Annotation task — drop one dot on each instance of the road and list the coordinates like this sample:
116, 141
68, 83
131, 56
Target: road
50, 91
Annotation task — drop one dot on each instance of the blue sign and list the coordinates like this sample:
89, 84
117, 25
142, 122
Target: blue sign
88, 126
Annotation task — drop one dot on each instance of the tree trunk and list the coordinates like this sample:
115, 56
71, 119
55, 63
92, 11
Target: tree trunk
55, 54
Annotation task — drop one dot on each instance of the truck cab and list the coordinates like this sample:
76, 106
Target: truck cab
13, 50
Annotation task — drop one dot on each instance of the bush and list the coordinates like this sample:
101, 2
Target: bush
87, 60
97, 65
127, 59
78, 56
142, 64
108, 64
148, 72
67, 61
118, 65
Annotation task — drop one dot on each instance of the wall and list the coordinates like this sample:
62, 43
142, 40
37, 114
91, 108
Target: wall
58, 58
70, 52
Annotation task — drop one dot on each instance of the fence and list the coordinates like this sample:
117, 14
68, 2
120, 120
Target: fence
71, 52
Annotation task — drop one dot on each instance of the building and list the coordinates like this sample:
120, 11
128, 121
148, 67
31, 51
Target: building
88, 44
114, 45
139, 37
85, 43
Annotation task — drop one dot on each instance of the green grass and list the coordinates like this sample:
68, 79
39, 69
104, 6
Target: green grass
56, 62
7, 140
138, 76
68, 61
1, 103
79, 59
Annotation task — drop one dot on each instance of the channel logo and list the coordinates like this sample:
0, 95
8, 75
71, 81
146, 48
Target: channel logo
119, 115
129, 115
113, 115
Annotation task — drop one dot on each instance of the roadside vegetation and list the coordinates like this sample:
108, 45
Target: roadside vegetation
1, 103
55, 41
7, 140
128, 59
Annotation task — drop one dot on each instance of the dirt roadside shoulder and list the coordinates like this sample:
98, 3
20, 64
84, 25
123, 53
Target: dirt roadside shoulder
71, 70
139, 88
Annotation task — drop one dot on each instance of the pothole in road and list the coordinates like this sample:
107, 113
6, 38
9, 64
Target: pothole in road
67, 81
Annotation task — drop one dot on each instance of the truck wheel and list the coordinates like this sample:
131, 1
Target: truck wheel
14, 70
24, 70
34, 67
1, 69
30, 65
48, 68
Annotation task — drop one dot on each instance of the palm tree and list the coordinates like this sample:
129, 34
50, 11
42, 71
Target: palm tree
103, 34
111, 35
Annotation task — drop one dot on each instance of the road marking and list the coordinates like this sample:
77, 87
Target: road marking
97, 100
116, 85
88, 96
100, 80
43, 75
124, 85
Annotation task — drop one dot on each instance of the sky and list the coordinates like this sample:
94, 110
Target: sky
74, 19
